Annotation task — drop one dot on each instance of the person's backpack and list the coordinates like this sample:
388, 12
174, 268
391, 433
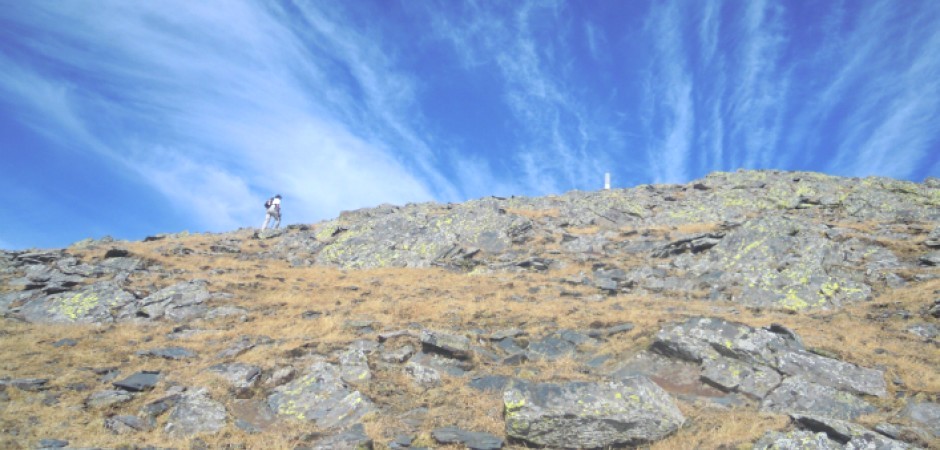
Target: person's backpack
267, 203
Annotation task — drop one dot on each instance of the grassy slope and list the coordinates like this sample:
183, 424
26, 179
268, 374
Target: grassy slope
276, 295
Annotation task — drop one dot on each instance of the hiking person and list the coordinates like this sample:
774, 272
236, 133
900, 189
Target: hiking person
273, 208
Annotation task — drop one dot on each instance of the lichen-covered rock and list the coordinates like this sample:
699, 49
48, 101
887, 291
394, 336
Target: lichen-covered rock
631, 411
355, 366
731, 375
701, 339
93, 304
783, 263
797, 395
195, 413
830, 372
796, 440
417, 234
178, 302
422, 375
320, 396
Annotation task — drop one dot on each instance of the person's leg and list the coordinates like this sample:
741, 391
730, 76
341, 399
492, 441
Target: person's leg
277, 218
267, 217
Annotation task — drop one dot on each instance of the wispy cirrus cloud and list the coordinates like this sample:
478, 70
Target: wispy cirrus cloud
561, 144
219, 107
670, 117
895, 103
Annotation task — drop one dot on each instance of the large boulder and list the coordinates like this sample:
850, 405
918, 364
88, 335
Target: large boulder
178, 302
92, 304
631, 411
321, 396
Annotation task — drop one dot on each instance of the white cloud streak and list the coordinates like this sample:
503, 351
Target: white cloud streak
894, 122
669, 94
564, 145
243, 107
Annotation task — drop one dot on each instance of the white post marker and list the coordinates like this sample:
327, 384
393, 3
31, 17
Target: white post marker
607, 181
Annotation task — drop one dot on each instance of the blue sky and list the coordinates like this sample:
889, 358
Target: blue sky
129, 118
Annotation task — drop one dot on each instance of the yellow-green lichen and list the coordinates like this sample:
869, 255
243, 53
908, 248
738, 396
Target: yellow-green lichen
76, 306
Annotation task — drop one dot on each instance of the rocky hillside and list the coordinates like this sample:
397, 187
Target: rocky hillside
756, 309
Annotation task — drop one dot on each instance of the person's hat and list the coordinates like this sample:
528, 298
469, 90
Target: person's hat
277, 196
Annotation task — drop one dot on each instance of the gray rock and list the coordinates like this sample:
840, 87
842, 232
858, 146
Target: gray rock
693, 244
490, 383
126, 424
67, 342
53, 443
931, 259
242, 345
107, 399
442, 364
797, 395
933, 239
179, 302
796, 440
924, 414
139, 382
253, 416
238, 375
927, 331
787, 263
354, 438
321, 397
852, 435
830, 372
632, 411
447, 344
226, 311
156, 408
422, 375
174, 353
471, 439
556, 345
610, 331
195, 413
29, 384
91, 304
398, 355
731, 375
354, 366
700, 339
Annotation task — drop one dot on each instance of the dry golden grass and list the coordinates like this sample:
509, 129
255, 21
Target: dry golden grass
277, 295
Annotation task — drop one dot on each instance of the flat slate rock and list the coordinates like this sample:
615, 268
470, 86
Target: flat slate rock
473, 440
175, 353
139, 382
